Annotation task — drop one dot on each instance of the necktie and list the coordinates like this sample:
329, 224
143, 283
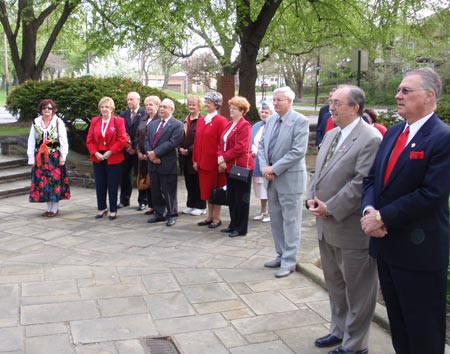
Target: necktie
132, 115
396, 151
158, 132
273, 139
333, 147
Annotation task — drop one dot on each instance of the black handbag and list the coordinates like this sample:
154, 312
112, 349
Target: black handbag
239, 173
218, 194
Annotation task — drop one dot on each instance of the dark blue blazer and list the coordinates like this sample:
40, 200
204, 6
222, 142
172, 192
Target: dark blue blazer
414, 202
166, 145
131, 127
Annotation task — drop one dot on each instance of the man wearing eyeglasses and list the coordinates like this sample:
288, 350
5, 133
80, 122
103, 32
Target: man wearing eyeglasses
405, 202
334, 197
164, 135
281, 155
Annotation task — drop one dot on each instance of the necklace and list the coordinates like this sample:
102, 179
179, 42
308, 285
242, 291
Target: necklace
104, 127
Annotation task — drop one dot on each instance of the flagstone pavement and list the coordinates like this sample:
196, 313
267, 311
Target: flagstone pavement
78, 285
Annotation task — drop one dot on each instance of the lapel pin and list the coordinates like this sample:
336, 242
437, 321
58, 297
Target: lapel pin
413, 145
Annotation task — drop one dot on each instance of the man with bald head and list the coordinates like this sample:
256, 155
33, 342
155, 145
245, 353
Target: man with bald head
132, 116
405, 202
164, 135
334, 197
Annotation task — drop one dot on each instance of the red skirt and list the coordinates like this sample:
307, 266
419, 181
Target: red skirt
208, 181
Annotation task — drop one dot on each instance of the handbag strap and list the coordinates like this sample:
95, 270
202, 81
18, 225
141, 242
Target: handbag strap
235, 139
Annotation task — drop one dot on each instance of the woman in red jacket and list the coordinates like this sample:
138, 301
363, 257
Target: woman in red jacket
105, 141
204, 155
234, 149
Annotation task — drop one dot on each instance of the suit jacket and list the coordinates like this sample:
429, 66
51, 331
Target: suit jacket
114, 140
166, 145
188, 143
206, 140
324, 113
414, 202
339, 185
238, 145
132, 126
289, 152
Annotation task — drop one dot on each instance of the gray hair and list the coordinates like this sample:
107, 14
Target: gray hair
169, 103
134, 94
287, 91
430, 80
356, 96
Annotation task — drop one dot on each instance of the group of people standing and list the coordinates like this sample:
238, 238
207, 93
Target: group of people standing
381, 203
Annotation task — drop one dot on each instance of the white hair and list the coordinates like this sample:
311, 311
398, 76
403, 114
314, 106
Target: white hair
169, 102
134, 94
287, 91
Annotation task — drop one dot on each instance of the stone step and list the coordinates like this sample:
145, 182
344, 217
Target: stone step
12, 161
14, 174
12, 188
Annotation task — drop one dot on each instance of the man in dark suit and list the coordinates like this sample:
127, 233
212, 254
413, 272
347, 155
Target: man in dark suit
132, 116
334, 197
164, 135
324, 115
405, 203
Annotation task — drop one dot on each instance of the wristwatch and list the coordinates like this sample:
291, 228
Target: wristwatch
378, 217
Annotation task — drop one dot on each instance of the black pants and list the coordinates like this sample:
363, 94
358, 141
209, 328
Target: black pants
128, 175
193, 191
164, 194
238, 196
106, 182
416, 306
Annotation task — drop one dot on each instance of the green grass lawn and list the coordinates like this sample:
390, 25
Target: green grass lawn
14, 128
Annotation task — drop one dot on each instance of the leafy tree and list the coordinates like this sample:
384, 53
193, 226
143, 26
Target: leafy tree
23, 20
202, 68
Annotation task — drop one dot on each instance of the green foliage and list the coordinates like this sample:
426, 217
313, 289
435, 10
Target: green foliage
443, 109
77, 100
389, 118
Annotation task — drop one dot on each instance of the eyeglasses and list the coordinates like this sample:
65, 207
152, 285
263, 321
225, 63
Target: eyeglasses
336, 103
405, 90
233, 108
279, 99
50, 108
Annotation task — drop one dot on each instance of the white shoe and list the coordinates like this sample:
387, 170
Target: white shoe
187, 210
198, 212
266, 218
259, 217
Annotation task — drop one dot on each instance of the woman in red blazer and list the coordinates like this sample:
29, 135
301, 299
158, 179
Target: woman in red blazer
204, 155
105, 142
234, 149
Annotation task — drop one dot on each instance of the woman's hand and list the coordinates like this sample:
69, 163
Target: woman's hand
61, 161
98, 156
107, 154
195, 166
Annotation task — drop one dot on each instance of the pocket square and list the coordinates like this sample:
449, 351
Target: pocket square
416, 155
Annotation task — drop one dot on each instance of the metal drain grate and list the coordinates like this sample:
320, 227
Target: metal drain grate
160, 345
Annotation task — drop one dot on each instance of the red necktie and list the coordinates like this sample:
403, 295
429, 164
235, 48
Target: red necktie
398, 148
158, 132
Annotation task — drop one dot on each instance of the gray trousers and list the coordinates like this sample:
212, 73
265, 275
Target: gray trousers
286, 219
352, 282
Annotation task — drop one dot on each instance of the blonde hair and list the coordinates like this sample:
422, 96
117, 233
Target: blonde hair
196, 99
154, 99
107, 100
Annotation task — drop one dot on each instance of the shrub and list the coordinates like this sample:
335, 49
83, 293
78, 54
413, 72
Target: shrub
443, 109
77, 99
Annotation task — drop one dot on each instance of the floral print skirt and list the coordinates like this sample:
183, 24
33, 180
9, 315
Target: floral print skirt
49, 180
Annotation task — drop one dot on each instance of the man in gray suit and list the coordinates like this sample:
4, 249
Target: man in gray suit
281, 155
334, 197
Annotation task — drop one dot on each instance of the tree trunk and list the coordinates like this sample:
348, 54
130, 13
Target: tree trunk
247, 79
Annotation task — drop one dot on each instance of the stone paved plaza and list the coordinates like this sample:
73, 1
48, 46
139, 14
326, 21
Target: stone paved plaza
77, 285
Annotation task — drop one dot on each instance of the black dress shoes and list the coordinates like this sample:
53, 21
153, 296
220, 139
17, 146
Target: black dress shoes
214, 225
234, 234
342, 350
330, 340
204, 222
170, 222
122, 205
156, 219
227, 229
